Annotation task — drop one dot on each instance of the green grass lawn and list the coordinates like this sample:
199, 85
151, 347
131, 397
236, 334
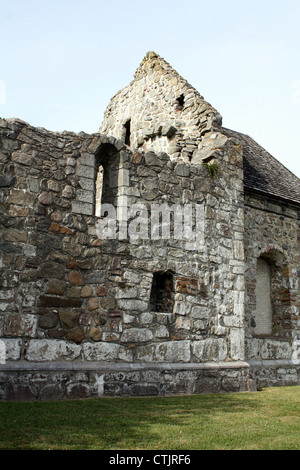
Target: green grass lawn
265, 420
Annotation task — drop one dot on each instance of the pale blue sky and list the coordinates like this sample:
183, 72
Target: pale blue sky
63, 60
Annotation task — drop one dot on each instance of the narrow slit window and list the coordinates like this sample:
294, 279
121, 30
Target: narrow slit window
264, 310
162, 293
180, 102
127, 132
98, 190
105, 179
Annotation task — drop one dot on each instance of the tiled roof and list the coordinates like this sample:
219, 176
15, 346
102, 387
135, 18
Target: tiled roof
262, 172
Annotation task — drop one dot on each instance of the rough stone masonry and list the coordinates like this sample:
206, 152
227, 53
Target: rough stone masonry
149, 308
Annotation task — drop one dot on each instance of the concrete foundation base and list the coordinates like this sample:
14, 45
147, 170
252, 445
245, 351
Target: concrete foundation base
275, 373
58, 381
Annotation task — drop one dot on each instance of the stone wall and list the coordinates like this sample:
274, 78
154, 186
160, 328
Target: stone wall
272, 234
60, 282
68, 295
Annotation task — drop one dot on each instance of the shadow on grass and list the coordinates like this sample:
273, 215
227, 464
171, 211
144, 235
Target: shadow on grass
122, 423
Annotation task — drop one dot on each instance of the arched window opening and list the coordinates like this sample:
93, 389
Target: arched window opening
273, 296
98, 190
264, 309
105, 189
162, 292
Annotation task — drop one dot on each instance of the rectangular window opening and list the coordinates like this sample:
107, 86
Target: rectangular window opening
162, 292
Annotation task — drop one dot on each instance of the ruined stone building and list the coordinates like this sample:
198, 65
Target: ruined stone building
158, 256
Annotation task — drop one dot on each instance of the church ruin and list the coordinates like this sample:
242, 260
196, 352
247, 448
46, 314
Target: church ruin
158, 256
